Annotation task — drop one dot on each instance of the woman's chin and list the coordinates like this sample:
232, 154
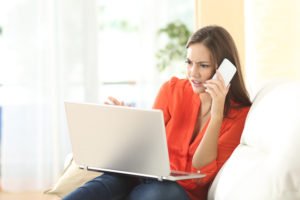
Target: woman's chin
199, 90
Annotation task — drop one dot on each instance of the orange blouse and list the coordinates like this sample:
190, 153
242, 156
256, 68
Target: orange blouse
180, 106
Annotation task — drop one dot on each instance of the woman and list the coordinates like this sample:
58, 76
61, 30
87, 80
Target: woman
204, 120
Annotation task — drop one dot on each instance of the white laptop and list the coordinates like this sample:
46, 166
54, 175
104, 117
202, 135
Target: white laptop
121, 140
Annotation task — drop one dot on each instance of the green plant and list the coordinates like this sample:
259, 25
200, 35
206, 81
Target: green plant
174, 50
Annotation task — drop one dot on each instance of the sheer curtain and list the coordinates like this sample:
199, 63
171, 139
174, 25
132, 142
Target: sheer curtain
48, 56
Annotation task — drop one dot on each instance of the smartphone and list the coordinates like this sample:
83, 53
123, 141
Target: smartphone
227, 69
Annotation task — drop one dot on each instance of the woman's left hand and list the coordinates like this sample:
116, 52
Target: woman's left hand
218, 91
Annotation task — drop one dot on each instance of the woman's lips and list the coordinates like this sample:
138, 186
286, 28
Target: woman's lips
197, 83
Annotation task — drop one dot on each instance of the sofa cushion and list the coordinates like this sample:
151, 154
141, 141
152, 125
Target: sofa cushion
266, 164
72, 178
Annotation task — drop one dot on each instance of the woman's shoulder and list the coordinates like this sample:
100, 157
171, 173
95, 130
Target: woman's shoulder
244, 110
176, 88
238, 111
178, 83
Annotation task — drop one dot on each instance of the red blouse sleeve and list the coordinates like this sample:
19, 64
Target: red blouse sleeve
163, 98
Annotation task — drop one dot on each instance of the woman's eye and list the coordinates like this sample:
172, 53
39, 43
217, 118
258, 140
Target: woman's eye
204, 66
188, 62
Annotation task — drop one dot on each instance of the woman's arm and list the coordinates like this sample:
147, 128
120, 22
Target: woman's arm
207, 151
229, 138
162, 99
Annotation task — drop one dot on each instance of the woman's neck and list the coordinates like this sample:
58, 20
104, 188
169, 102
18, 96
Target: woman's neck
205, 103
205, 98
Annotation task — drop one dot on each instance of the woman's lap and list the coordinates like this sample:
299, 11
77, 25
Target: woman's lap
115, 187
106, 186
150, 189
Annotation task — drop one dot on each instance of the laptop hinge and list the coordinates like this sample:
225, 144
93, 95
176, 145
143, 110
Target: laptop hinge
84, 167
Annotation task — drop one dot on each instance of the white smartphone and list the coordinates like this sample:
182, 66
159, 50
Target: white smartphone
227, 69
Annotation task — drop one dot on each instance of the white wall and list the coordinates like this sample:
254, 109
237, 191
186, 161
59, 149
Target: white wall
272, 41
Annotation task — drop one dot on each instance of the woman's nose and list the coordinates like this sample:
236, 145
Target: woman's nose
194, 69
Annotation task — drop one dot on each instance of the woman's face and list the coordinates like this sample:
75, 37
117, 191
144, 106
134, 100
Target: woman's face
199, 66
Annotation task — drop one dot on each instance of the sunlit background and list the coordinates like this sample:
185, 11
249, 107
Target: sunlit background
53, 51
72, 50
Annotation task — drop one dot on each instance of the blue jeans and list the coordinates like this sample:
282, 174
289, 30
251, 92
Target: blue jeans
116, 186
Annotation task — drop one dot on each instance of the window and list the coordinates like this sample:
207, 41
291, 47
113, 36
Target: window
127, 42
54, 52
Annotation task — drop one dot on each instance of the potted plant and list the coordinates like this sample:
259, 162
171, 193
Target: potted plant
173, 52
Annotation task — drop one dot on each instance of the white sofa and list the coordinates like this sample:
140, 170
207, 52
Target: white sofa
266, 164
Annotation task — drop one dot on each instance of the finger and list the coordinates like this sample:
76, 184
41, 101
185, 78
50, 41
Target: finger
220, 84
218, 80
214, 86
107, 103
114, 101
220, 77
210, 92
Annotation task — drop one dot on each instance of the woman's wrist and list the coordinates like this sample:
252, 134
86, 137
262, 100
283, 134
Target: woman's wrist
217, 118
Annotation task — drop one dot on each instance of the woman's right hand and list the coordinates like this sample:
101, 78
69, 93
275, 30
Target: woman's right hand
113, 101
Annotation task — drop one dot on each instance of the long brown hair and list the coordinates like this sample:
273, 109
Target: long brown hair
221, 45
